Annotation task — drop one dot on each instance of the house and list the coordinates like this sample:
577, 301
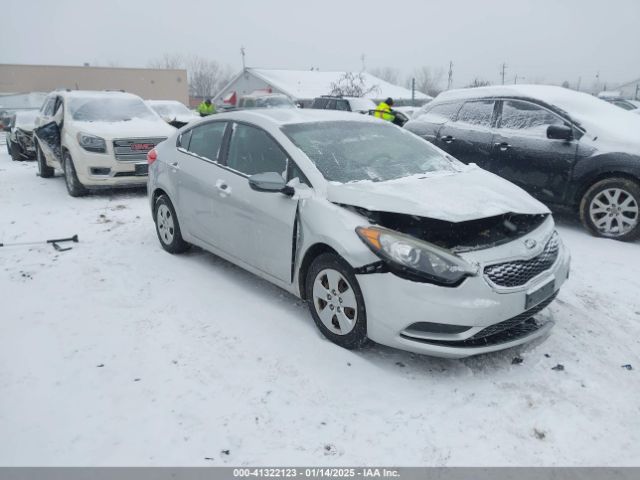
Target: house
304, 85
630, 90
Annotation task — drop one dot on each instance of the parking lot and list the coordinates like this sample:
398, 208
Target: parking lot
116, 352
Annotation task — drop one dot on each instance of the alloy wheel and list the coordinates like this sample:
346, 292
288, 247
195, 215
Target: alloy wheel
614, 212
335, 301
166, 226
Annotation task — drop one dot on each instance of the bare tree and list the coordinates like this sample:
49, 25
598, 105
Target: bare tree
169, 61
206, 77
388, 74
478, 82
352, 85
428, 80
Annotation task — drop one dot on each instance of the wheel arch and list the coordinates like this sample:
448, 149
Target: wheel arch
313, 252
587, 183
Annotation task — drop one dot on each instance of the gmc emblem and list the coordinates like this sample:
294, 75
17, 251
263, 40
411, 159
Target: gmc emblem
141, 146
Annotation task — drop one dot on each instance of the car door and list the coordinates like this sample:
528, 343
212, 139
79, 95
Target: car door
257, 227
468, 138
196, 170
524, 155
48, 129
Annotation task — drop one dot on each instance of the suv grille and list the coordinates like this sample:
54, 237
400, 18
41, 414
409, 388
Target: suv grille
134, 149
519, 272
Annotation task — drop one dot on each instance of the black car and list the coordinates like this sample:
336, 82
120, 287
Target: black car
568, 149
19, 135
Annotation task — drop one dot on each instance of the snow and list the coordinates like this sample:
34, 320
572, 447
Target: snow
117, 353
598, 117
303, 84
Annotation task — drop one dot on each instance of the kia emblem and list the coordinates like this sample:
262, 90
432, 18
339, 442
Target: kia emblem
530, 243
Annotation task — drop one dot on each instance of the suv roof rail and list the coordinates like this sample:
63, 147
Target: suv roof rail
330, 96
114, 90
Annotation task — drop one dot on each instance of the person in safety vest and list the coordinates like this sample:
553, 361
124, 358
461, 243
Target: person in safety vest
206, 108
383, 110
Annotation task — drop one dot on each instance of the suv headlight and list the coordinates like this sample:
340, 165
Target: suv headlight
92, 143
405, 254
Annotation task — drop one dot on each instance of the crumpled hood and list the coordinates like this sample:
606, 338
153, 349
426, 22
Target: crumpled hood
454, 197
136, 128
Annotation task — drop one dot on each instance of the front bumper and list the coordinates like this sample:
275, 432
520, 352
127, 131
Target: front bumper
98, 169
395, 304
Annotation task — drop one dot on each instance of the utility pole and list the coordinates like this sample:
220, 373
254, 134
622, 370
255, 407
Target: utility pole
243, 53
515, 79
450, 80
413, 91
504, 71
579, 82
635, 97
364, 66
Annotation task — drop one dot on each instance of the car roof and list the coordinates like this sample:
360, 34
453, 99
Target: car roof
93, 94
287, 116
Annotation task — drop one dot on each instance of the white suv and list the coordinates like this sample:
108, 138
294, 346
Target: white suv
98, 139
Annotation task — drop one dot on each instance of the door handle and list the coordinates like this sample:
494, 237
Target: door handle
448, 139
223, 188
503, 146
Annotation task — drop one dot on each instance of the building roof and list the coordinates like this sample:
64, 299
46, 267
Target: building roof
307, 84
286, 116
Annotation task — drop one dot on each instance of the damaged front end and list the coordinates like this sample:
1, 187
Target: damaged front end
463, 236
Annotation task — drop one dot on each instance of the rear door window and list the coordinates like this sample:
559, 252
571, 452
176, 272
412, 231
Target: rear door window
331, 105
319, 103
477, 112
342, 105
206, 140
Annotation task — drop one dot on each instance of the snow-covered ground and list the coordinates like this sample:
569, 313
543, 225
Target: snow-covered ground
117, 353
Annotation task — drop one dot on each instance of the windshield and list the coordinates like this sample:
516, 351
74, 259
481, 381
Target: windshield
362, 104
273, 102
347, 151
108, 109
171, 109
25, 118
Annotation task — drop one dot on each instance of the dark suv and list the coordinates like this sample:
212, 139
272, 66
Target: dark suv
568, 149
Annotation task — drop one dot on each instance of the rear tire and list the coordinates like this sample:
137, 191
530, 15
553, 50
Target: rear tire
44, 170
610, 208
168, 227
74, 187
336, 302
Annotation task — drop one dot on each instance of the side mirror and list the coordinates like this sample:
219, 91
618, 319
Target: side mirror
559, 132
270, 182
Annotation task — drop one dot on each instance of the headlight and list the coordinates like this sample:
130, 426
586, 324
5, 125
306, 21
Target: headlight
92, 143
408, 255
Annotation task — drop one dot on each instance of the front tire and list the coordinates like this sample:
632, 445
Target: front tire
168, 227
336, 302
44, 170
74, 187
611, 208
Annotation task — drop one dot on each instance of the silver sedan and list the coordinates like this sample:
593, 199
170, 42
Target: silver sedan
384, 235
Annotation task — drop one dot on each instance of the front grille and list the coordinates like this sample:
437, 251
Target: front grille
517, 327
134, 149
520, 272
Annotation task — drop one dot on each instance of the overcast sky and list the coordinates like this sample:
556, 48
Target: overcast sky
540, 40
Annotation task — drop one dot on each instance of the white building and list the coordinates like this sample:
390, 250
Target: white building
630, 90
305, 85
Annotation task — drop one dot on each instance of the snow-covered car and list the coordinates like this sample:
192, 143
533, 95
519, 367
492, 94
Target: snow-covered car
386, 236
98, 139
347, 104
20, 135
570, 150
268, 100
173, 112
623, 104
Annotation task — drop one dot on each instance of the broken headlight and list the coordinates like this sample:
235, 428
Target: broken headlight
92, 143
415, 258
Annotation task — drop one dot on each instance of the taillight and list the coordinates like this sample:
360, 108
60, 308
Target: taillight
152, 156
